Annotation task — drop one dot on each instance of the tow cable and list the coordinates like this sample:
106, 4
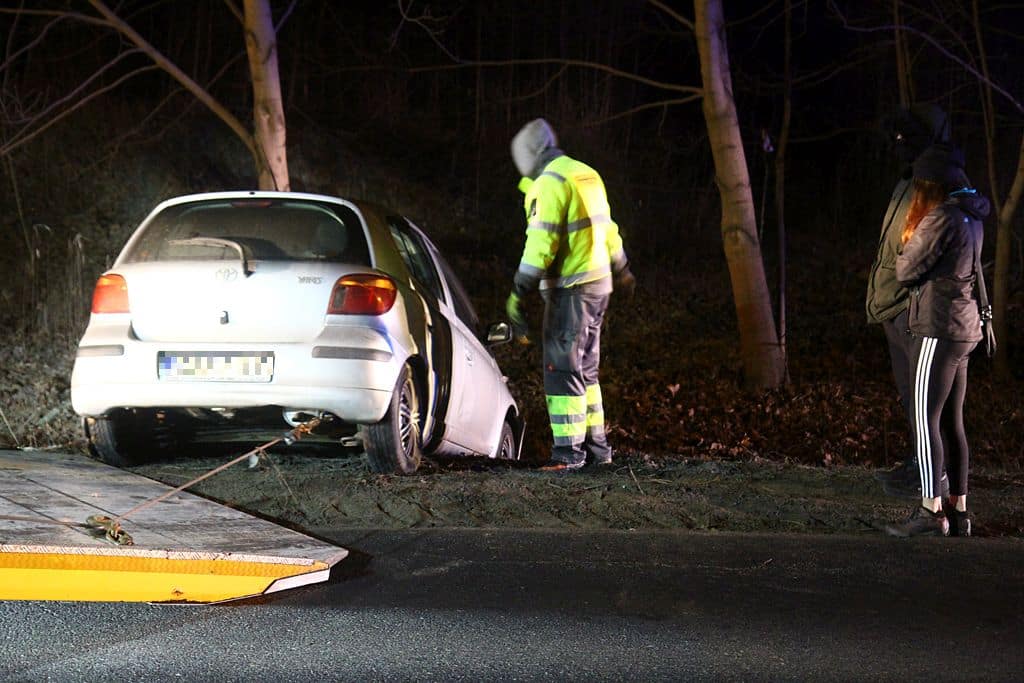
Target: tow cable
110, 527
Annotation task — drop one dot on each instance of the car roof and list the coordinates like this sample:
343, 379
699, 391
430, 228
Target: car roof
253, 194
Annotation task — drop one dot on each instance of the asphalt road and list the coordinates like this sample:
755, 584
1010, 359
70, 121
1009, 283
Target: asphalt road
479, 605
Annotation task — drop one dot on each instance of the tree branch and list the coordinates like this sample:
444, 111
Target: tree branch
61, 14
285, 16
177, 74
643, 107
672, 13
171, 95
422, 21
934, 43
23, 138
82, 86
567, 62
11, 56
233, 8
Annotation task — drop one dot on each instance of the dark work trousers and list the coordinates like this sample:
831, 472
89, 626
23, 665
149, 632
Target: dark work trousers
900, 354
572, 354
940, 385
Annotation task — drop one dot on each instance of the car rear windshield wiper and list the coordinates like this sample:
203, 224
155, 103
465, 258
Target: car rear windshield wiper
216, 242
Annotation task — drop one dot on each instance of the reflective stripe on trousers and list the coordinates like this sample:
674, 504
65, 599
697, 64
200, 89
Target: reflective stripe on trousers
572, 355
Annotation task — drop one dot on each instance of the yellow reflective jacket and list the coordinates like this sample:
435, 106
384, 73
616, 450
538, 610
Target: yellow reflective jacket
571, 239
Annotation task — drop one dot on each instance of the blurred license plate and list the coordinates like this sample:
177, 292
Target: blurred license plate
216, 366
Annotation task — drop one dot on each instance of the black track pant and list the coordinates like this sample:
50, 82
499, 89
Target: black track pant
901, 355
940, 385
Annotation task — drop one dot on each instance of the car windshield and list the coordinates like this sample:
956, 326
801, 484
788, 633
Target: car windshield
253, 229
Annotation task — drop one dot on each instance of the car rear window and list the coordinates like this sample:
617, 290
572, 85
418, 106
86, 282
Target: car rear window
266, 229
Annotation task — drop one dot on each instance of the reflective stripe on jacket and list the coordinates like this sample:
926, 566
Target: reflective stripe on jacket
571, 239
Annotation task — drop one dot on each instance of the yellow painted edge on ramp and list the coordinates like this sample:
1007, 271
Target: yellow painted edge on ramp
138, 578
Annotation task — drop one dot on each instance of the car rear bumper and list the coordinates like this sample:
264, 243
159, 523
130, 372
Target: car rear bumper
113, 370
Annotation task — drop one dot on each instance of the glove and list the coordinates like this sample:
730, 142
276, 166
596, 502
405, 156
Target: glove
514, 310
625, 282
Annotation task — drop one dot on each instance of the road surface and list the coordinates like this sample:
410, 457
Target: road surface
482, 605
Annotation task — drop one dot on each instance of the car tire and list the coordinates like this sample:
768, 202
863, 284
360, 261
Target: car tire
394, 445
115, 440
507, 449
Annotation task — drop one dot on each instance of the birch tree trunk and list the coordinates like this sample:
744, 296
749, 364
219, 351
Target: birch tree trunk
1004, 211
763, 362
902, 59
1001, 277
268, 111
780, 172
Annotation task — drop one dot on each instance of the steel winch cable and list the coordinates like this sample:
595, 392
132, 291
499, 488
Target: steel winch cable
112, 525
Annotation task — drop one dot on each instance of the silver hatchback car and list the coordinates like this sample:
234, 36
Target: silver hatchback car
235, 312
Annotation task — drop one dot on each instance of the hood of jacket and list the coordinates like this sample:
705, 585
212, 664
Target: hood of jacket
918, 127
533, 147
971, 202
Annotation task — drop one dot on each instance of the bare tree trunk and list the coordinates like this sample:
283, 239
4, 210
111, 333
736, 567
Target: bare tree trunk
1004, 212
763, 363
902, 60
1001, 278
268, 112
780, 172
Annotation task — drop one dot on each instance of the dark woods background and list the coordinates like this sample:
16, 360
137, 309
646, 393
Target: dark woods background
413, 105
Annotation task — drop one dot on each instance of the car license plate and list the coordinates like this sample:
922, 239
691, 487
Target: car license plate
216, 366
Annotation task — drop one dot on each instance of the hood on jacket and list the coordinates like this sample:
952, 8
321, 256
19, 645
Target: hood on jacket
916, 128
942, 164
970, 201
533, 147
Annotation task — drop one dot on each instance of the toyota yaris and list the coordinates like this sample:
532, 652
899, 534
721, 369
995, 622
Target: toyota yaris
231, 312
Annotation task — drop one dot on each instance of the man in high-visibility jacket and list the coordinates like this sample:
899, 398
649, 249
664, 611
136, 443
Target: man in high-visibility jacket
573, 254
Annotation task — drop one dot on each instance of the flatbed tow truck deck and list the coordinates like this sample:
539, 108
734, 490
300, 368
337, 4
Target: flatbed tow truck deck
61, 539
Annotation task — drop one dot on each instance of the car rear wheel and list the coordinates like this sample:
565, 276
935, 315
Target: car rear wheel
394, 444
507, 446
115, 440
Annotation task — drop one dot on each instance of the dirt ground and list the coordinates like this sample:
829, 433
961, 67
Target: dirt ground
316, 491
312, 488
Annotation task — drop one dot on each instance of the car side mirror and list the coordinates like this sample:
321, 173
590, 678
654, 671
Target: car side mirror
499, 333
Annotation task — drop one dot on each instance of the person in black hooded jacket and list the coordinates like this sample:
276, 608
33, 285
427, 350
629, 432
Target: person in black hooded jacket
942, 234
914, 131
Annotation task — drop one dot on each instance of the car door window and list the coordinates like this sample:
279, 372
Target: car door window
460, 299
416, 257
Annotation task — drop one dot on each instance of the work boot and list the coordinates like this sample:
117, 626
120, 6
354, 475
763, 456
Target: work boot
922, 522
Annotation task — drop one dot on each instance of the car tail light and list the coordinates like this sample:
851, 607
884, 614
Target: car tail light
362, 294
110, 295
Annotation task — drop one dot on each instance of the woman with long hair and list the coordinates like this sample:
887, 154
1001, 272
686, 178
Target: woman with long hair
942, 234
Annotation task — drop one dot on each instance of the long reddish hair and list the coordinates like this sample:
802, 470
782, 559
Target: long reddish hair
927, 195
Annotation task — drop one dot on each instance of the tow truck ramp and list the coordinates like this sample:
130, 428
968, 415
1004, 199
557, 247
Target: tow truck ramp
185, 549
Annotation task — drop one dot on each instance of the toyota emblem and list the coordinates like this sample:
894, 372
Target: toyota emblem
226, 275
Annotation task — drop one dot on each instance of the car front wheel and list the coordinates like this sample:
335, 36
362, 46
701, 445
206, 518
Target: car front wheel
507, 446
393, 445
